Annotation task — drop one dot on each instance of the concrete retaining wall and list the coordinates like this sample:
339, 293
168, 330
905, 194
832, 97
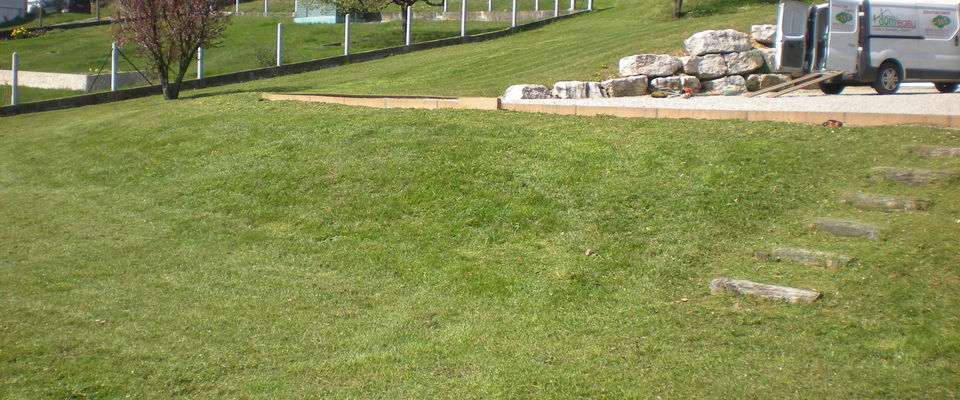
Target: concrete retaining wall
77, 82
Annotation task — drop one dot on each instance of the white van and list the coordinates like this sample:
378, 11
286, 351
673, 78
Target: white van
873, 42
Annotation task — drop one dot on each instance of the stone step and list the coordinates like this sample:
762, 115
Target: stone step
913, 176
742, 287
934, 151
812, 258
841, 227
868, 202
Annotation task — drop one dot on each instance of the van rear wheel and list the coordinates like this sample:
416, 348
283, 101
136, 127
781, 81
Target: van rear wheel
888, 79
831, 88
946, 87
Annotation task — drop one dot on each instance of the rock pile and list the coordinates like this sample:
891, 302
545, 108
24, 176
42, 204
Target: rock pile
717, 61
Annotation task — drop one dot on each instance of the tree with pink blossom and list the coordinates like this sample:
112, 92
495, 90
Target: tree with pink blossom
169, 32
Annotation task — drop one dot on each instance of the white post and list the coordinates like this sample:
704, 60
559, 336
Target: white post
589, 5
280, 44
536, 5
556, 8
266, 6
238, 7
15, 94
444, 6
489, 5
513, 15
200, 63
346, 35
463, 18
407, 40
296, 6
113, 67
573, 4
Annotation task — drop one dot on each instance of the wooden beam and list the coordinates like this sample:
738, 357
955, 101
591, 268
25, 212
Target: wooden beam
783, 293
826, 76
782, 85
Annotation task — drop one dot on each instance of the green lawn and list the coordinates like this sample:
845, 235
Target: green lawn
219, 246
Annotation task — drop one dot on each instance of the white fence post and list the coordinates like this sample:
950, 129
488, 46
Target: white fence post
556, 8
200, 63
266, 6
408, 40
237, 10
15, 94
463, 18
444, 6
573, 4
113, 67
280, 44
536, 5
589, 5
346, 35
489, 5
513, 14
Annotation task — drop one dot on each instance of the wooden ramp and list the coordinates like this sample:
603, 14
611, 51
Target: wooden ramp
802, 82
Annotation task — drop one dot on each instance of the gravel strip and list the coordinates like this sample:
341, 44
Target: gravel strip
910, 100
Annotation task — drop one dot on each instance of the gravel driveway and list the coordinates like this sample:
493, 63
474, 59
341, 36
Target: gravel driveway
911, 99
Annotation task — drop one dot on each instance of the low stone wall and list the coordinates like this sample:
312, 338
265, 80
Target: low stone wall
76, 82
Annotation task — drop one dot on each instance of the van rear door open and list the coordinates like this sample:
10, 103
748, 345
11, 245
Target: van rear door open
791, 38
843, 36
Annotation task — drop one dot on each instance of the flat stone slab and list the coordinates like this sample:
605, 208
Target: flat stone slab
813, 258
847, 228
913, 176
783, 293
868, 202
934, 151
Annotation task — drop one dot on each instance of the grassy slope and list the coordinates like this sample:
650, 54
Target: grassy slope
219, 246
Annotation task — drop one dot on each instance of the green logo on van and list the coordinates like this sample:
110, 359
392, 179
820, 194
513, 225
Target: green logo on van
844, 17
941, 21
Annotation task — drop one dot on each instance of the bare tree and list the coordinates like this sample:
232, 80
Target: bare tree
169, 32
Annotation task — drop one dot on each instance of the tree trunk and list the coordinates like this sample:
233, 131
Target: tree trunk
677, 4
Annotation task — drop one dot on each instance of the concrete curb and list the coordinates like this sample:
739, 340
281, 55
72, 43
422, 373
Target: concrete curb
494, 103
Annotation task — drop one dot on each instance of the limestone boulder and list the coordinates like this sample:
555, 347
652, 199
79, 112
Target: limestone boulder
676, 83
595, 90
743, 62
718, 85
763, 81
768, 55
651, 65
577, 90
521, 92
763, 34
717, 42
710, 66
629, 86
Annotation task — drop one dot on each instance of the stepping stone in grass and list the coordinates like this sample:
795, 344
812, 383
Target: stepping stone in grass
811, 258
934, 151
882, 203
911, 176
784, 293
840, 227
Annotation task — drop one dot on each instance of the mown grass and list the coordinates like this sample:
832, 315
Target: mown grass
220, 246
223, 247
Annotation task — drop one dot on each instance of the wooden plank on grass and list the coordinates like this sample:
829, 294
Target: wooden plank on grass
743, 287
868, 202
841, 227
913, 176
813, 258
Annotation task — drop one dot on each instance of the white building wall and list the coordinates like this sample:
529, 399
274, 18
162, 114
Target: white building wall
11, 9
